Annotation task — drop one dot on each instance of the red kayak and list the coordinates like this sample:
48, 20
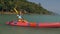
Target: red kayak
34, 24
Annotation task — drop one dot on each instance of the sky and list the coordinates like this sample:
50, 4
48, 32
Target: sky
51, 5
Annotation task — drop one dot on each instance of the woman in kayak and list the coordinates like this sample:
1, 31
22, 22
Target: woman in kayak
20, 18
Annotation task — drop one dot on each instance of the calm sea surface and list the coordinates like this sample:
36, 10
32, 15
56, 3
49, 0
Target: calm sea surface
6, 29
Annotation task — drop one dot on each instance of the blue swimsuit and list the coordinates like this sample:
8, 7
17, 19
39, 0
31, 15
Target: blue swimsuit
19, 16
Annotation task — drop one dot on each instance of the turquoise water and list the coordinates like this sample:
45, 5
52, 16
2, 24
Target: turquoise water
42, 18
6, 29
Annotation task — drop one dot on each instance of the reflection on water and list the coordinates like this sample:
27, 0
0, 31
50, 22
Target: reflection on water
6, 29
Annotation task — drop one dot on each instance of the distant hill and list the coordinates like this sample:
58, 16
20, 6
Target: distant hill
23, 5
56, 14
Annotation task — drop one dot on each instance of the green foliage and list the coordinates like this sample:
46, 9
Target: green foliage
30, 7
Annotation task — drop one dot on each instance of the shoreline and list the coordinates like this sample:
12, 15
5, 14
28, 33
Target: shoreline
23, 13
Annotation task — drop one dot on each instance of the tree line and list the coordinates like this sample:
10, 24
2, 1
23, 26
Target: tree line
24, 5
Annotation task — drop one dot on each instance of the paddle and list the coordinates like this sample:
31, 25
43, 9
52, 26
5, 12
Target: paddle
16, 11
